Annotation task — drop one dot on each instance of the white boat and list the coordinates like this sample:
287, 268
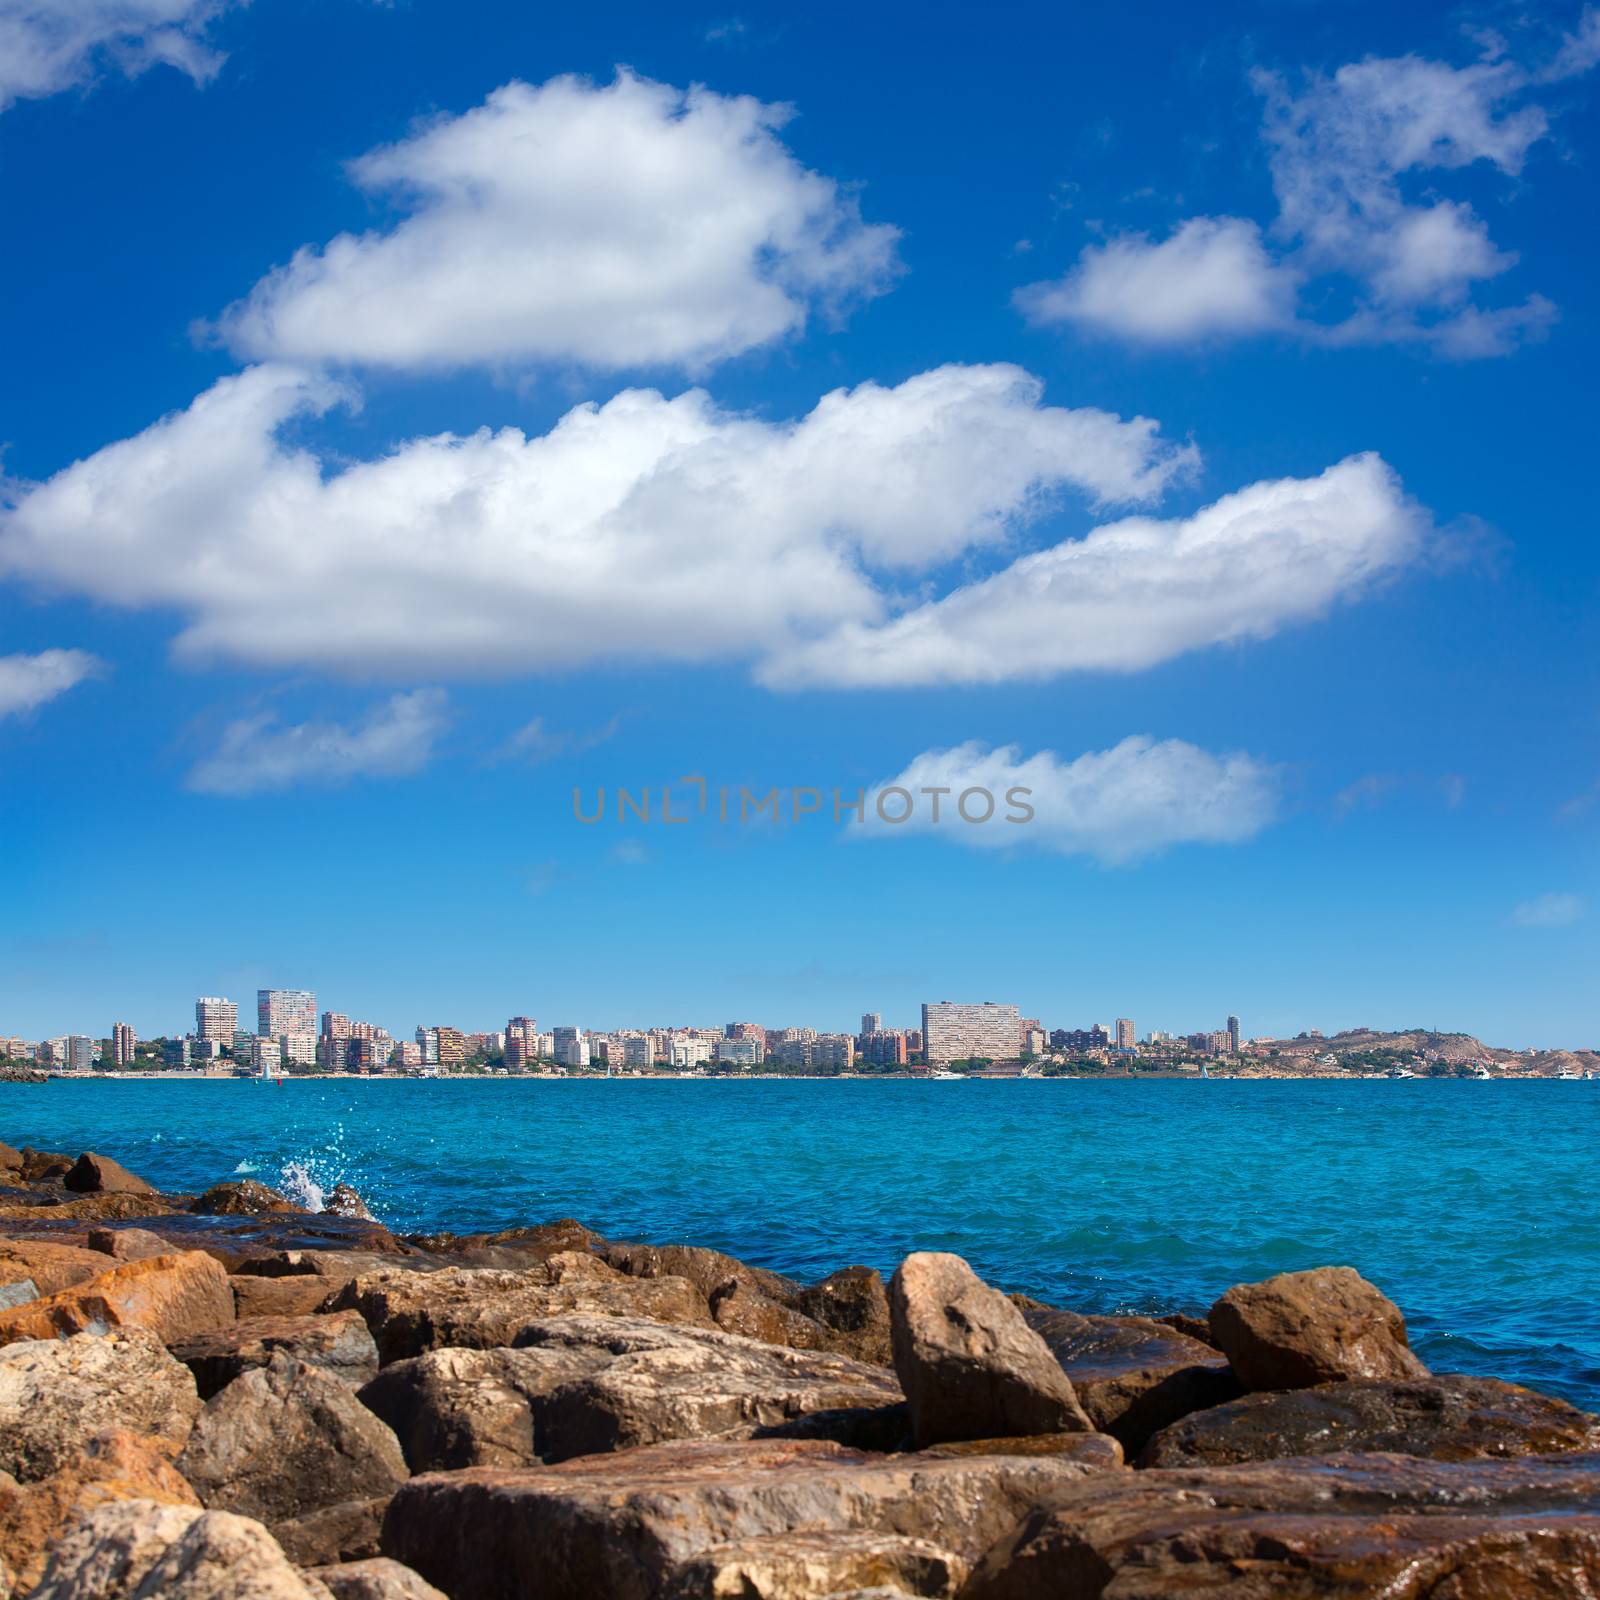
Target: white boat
949, 1076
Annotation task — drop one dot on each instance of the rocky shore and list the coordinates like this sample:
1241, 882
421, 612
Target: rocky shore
225, 1397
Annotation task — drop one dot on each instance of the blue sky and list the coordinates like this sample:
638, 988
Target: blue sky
1183, 413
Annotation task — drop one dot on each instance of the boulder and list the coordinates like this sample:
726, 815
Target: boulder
255, 1297
1446, 1419
576, 1385
379, 1579
48, 1266
138, 1550
174, 1296
338, 1344
1342, 1527
739, 1307
241, 1197
91, 1208
481, 1308
55, 1394
339, 1265
43, 1166
285, 1439
1098, 1450
95, 1174
10, 1160
127, 1244
109, 1467
343, 1201
1132, 1375
514, 1249
1196, 1328
854, 1306
665, 1519
347, 1531
1304, 1328
970, 1366
706, 1269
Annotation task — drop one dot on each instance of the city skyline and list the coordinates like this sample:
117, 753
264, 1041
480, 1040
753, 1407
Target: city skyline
1191, 438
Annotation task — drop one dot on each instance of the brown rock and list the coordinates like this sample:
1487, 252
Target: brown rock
10, 1160
515, 1249
707, 1270
338, 1344
481, 1308
344, 1532
50, 1267
110, 1467
854, 1306
664, 1520
380, 1579
804, 1565
138, 1550
173, 1296
241, 1198
43, 1166
1303, 1328
1132, 1375
970, 1366
55, 1394
576, 1385
127, 1244
95, 1174
340, 1265
1446, 1419
279, 1297
89, 1208
1098, 1450
737, 1306
1343, 1527
285, 1439
343, 1201
1196, 1328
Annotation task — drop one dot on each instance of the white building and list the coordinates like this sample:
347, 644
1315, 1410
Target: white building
298, 1048
265, 1054
741, 1052
281, 1011
957, 1031
216, 1018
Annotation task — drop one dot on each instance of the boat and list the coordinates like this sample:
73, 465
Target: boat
950, 1076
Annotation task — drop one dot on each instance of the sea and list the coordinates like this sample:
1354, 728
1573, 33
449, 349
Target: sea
1472, 1204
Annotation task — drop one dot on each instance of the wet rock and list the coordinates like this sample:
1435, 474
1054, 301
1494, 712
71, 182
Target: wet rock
286, 1439
970, 1366
580, 1384
138, 1550
380, 1579
514, 1249
1344, 1527
658, 1521
1132, 1375
97, 1174
341, 1265
338, 1344
56, 1394
127, 1244
44, 1166
109, 1467
343, 1201
345, 1532
243, 1197
255, 1297
1196, 1328
49, 1267
481, 1308
174, 1296
854, 1305
1304, 1328
87, 1208
1447, 1419
10, 1160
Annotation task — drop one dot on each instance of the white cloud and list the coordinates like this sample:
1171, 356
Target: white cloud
393, 740
1212, 276
1340, 146
50, 45
1549, 911
645, 529
619, 226
1117, 806
1140, 591
27, 682
533, 742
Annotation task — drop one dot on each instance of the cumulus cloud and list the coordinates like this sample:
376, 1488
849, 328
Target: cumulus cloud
1212, 276
646, 529
50, 45
1549, 911
1141, 590
259, 753
27, 682
1340, 146
627, 225
1117, 806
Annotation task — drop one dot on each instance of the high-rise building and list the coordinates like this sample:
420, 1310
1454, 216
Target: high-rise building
957, 1031
884, 1047
1233, 1036
82, 1053
281, 1011
570, 1047
298, 1047
265, 1054
122, 1043
871, 1022
1127, 1038
744, 1030
428, 1044
452, 1046
216, 1018
639, 1051
336, 1025
741, 1052
522, 1043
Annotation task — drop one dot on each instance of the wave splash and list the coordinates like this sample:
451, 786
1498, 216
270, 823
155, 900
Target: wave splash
298, 1185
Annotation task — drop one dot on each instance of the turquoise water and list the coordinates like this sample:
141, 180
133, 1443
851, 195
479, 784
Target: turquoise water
1472, 1204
